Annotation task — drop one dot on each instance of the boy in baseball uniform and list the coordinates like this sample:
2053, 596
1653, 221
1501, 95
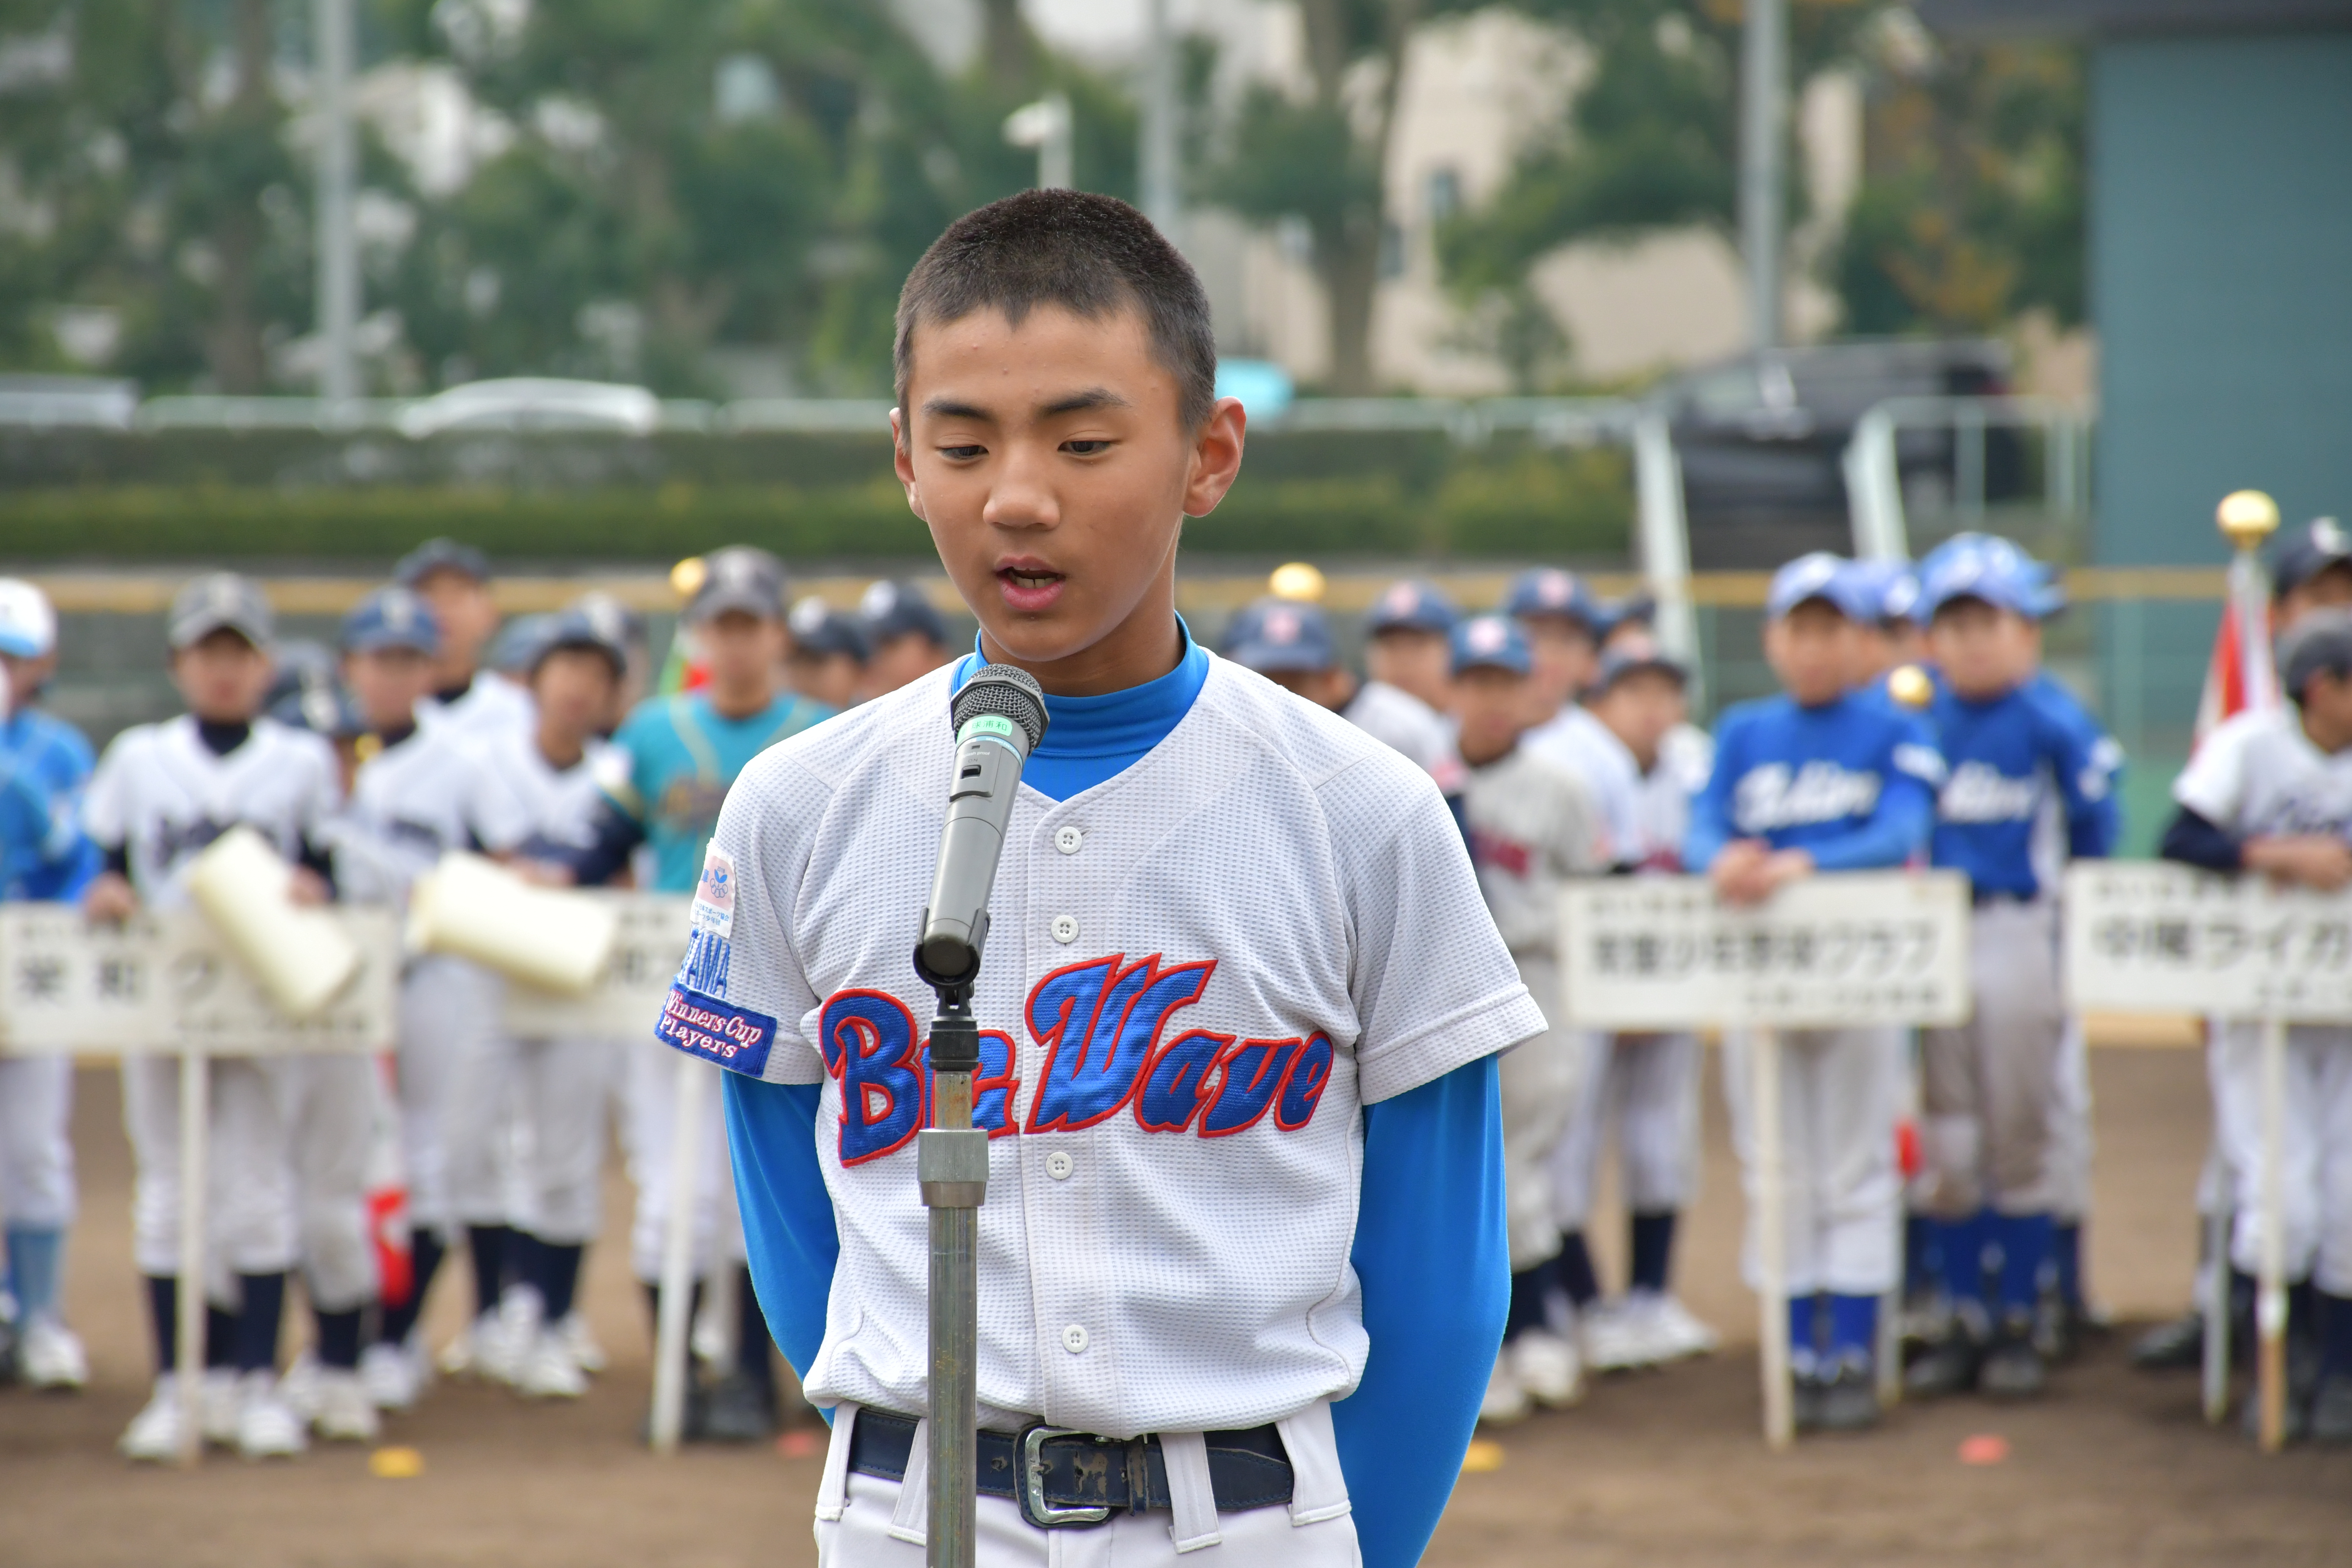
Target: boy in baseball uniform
1532, 826
1243, 1251
2028, 789
161, 793
46, 763
1820, 778
454, 582
2271, 791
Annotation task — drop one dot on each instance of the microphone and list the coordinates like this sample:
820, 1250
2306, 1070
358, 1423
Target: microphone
999, 717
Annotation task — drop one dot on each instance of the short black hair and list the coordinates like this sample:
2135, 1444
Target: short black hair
1092, 255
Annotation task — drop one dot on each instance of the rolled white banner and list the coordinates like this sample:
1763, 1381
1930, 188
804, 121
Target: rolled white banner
472, 908
301, 956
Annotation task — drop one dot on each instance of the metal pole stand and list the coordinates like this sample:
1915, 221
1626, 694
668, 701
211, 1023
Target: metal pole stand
951, 1163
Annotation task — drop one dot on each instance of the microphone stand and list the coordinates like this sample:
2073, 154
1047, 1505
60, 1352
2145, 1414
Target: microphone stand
951, 1164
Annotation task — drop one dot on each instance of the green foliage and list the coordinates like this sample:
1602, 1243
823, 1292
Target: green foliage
1970, 211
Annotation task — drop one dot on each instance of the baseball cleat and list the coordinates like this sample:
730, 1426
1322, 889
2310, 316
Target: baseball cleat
1849, 1400
1507, 1398
153, 1436
267, 1427
2013, 1368
222, 1402
1547, 1368
51, 1357
1617, 1336
299, 1387
2171, 1346
741, 1410
582, 1340
340, 1410
1949, 1367
1677, 1332
391, 1376
548, 1371
2331, 1410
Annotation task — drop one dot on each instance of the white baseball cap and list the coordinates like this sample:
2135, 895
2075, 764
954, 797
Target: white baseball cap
28, 626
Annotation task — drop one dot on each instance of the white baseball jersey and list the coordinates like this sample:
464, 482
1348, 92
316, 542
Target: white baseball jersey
2259, 775
1397, 718
1573, 739
162, 793
1532, 827
492, 708
1199, 972
551, 805
1686, 757
413, 802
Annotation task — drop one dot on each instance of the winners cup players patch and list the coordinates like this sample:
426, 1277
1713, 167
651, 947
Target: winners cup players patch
702, 1025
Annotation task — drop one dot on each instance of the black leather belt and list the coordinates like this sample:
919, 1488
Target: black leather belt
1065, 1479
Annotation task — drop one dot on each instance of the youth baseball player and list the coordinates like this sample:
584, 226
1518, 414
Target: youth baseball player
454, 582
421, 791
44, 855
1821, 779
161, 793
2027, 789
1408, 655
827, 663
2271, 791
663, 782
1243, 1249
1562, 625
1532, 827
906, 637
1646, 1084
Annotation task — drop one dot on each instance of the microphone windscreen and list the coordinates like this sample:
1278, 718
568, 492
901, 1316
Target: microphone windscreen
1007, 690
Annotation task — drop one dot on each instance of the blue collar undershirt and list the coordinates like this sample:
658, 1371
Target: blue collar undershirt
1091, 739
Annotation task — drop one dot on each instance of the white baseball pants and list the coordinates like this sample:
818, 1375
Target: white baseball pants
1839, 1097
448, 1016
1648, 1084
1994, 1091
36, 1160
249, 1202
1539, 1080
556, 1090
647, 1132
2315, 1153
327, 1105
865, 1521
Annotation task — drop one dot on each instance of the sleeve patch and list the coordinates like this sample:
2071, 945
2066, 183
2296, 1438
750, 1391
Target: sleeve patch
714, 894
702, 1025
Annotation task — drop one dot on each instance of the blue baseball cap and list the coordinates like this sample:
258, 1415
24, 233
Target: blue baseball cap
440, 555
1891, 586
1491, 642
901, 609
1412, 605
1282, 635
516, 647
820, 630
1823, 576
1548, 591
1980, 567
1635, 653
392, 617
580, 628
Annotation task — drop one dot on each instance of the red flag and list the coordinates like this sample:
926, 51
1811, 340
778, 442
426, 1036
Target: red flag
2241, 675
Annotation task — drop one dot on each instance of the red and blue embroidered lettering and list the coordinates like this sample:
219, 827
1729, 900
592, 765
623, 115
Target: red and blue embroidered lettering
870, 1047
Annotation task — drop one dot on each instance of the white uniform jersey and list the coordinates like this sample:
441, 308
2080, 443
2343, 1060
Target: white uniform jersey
1403, 722
1573, 739
1532, 827
162, 793
1200, 971
492, 708
412, 803
556, 806
1685, 758
2258, 774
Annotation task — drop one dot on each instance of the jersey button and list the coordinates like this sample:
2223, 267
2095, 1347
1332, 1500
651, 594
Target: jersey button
1059, 1165
1074, 1339
1066, 928
1068, 839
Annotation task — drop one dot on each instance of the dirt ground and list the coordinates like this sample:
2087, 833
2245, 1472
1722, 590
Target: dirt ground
1660, 1469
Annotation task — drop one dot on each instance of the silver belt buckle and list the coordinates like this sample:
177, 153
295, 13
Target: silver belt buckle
1032, 1482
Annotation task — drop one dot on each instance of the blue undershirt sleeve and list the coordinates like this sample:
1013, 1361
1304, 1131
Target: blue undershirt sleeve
789, 1237
1434, 1259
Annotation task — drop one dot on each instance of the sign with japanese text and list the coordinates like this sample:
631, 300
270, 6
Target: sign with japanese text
1829, 951
167, 982
2150, 937
625, 1002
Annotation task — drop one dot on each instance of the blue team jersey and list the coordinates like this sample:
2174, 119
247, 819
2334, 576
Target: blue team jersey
2032, 784
1852, 783
676, 757
46, 764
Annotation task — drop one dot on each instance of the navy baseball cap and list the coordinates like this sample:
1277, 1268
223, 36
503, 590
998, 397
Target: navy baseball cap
819, 628
1491, 642
441, 555
1634, 653
1890, 586
620, 624
576, 628
392, 617
1412, 605
2321, 545
901, 609
1548, 591
1981, 567
2320, 642
740, 577
1282, 635
1633, 610
1823, 576
219, 601
516, 647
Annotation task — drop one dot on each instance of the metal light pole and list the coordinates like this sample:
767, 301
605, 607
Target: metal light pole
1158, 178
338, 246
1763, 117
1046, 125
